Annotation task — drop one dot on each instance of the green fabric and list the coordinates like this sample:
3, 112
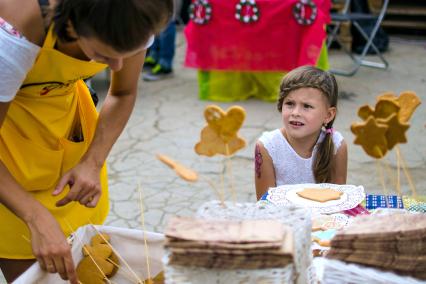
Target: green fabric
229, 86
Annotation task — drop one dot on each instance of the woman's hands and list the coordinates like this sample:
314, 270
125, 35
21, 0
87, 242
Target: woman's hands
84, 182
50, 246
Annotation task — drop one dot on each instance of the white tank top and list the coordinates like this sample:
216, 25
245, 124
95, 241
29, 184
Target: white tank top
289, 167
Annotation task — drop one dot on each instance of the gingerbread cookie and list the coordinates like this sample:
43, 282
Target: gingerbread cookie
320, 195
408, 101
99, 261
220, 135
384, 108
371, 135
182, 171
396, 130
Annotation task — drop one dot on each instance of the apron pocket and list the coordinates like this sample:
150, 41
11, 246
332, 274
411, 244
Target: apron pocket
34, 167
73, 151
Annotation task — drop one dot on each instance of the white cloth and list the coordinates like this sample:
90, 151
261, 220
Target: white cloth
289, 167
17, 56
129, 245
150, 42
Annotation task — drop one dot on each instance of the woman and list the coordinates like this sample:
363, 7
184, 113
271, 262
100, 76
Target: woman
53, 145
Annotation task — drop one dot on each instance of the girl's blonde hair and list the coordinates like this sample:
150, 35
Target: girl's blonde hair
312, 77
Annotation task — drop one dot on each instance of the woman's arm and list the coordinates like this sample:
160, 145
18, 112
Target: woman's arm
3, 110
84, 178
340, 165
264, 173
48, 242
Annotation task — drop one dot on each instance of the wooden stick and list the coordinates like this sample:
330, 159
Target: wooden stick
407, 173
216, 191
25, 238
390, 175
398, 173
144, 231
88, 253
222, 182
382, 181
229, 168
118, 255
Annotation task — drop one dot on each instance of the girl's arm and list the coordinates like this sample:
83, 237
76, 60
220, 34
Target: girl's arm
264, 173
340, 165
84, 178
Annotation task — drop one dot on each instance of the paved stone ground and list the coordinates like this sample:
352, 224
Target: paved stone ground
168, 118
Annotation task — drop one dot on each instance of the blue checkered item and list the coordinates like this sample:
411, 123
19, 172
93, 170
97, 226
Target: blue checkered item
373, 201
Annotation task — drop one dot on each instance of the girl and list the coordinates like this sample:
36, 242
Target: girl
307, 149
52, 144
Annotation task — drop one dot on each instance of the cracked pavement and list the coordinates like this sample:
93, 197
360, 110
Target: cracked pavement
168, 118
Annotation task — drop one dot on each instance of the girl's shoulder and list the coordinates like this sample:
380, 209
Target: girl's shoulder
338, 139
20, 22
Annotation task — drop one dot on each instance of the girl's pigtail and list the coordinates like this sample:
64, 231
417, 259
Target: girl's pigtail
322, 166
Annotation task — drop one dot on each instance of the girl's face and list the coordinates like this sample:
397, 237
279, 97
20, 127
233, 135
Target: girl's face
304, 112
102, 53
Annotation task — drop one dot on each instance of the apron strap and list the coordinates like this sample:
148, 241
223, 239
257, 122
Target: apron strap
50, 40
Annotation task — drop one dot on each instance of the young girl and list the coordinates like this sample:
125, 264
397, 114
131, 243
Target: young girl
53, 145
307, 149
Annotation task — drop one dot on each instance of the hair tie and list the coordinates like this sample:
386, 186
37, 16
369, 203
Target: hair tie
329, 130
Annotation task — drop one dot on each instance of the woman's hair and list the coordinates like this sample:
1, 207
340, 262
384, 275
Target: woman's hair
312, 77
124, 25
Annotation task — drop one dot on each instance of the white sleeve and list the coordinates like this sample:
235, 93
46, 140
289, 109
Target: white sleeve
17, 56
150, 42
337, 140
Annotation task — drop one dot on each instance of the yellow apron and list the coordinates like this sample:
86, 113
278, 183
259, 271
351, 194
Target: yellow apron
35, 145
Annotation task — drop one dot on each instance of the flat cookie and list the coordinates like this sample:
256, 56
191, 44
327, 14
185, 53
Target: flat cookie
396, 130
220, 135
408, 102
182, 171
99, 261
320, 195
371, 135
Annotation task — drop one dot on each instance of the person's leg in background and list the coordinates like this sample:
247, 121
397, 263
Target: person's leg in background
165, 53
152, 55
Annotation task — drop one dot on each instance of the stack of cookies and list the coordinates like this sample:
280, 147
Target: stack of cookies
224, 244
394, 242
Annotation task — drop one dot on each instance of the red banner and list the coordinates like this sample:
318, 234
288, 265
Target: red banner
275, 42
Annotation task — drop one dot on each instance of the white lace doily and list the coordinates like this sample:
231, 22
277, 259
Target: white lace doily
335, 271
287, 195
195, 275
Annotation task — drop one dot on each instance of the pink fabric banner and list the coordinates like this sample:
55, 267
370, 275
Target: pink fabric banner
276, 42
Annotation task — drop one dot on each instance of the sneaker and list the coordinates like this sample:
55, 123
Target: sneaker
149, 63
158, 72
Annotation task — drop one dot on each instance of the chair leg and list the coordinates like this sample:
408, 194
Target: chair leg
333, 34
334, 37
369, 43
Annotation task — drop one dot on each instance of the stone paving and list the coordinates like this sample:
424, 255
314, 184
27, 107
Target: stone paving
168, 118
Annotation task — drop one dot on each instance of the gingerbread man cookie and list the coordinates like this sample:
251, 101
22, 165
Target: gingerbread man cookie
220, 135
